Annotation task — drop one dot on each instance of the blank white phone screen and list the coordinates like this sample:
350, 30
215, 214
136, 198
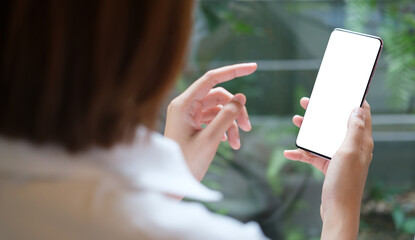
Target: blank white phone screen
339, 88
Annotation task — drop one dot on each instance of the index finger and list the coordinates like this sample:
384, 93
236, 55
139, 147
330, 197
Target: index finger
201, 87
355, 132
366, 107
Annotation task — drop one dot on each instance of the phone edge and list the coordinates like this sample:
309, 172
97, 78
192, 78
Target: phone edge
367, 86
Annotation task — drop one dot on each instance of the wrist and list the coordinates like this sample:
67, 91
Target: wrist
341, 220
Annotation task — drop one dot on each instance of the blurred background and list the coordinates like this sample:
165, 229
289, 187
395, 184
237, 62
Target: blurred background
287, 39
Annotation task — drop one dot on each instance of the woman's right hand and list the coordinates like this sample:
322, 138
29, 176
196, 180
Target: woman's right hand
345, 174
221, 111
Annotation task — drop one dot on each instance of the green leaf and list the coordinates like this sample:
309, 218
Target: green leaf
217, 170
316, 174
212, 184
276, 163
226, 151
398, 217
299, 92
409, 226
243, 28
295, 234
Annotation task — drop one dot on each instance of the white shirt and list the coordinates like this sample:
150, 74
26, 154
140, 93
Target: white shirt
122, 193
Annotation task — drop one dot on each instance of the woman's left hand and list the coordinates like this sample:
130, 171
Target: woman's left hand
221, 111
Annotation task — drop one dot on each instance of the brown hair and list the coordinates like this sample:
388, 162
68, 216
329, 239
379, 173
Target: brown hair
84, 73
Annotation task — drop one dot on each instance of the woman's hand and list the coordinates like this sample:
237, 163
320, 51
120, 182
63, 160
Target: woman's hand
221, 112
345, 175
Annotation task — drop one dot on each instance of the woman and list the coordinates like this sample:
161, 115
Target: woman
80, 87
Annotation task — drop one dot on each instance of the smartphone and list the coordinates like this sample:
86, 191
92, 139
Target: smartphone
341, 86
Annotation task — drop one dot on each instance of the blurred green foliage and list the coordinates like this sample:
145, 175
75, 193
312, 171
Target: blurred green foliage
260, 174
398, 33
218, 13
402, 222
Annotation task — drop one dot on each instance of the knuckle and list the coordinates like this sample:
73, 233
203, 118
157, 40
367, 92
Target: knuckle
221, 89
358, 124
221, 96
210, 74
371, 143
366, 107
175, 103
234, 73
232, 109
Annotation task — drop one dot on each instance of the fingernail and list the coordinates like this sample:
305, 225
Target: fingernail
249, 124
359, 112
238, 141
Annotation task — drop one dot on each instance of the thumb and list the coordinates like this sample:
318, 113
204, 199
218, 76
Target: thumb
356, 126
221, 123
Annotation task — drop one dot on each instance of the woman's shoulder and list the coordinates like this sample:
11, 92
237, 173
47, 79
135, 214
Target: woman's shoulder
118, 192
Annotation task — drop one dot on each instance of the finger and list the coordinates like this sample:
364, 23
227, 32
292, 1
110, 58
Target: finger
233, 136
199, 89
368, 139
224, 119
224, 137
355, 132
220, 96
302, 156
298, 120
368, 119
209, 114
243, 120
304, 102
216, 96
